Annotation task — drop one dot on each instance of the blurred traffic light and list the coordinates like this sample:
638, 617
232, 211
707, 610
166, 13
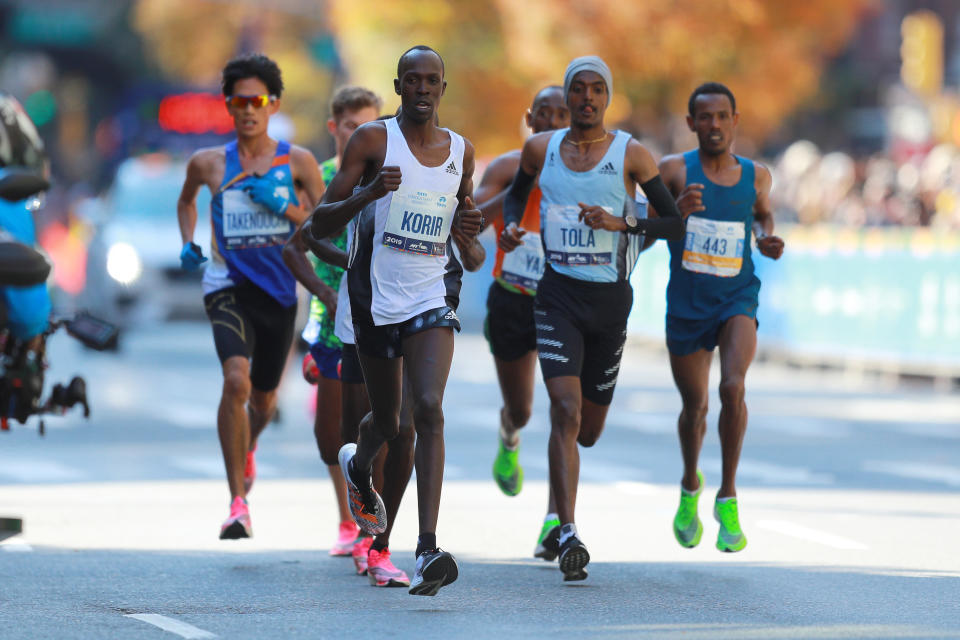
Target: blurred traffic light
921, 52
194, 113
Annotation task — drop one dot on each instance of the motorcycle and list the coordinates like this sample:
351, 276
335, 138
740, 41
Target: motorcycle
23, 353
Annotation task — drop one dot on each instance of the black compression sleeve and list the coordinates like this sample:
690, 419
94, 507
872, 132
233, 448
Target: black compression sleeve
517, 194
670, 223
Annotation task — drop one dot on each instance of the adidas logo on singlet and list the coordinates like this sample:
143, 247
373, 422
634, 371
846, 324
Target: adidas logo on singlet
452, 168
608, 169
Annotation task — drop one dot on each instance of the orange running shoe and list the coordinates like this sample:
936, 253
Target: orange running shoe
366, 507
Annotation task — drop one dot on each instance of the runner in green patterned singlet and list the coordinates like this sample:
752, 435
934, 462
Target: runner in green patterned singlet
350, 107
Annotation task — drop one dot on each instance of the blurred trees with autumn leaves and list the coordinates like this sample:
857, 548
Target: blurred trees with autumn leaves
500, 52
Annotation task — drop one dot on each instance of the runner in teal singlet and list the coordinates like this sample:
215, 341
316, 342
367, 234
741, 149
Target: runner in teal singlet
712, 298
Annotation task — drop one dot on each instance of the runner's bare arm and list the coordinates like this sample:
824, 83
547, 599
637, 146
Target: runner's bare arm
467, 216
198, 169
493, 186
471, 250
309, 185
768, 244
361, 163
295, 258
309, 182
468, 219
323, 248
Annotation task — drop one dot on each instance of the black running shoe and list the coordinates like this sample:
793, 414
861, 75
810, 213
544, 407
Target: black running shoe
548, 546
573, 558
435, 568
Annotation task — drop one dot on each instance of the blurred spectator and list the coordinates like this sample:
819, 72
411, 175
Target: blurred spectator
836, 188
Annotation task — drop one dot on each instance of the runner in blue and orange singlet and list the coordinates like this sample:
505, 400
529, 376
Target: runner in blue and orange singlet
262, 189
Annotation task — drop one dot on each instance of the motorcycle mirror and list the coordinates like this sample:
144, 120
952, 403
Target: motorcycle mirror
21, 266
20, 184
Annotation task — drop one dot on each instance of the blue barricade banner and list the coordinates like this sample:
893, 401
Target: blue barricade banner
888, 296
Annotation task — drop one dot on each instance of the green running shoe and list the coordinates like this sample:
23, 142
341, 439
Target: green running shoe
730, 537
507, 470
687, 527
548, 544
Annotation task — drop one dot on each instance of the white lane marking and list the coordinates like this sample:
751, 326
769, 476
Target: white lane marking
812, 535
942, 473
172, 625
769, 473
17, 546
37, 470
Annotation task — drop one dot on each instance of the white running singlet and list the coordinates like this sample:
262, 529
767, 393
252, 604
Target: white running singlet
402, 262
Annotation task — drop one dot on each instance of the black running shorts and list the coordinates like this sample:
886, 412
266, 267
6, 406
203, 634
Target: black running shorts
581, 330
386, 341
248, 322
509, 326
350, 371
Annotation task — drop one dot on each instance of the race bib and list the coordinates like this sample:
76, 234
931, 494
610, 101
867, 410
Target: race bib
714, 246
247, 225
419, 221
571, 242
523, 267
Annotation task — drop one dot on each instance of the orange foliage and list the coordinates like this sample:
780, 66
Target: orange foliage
498, 54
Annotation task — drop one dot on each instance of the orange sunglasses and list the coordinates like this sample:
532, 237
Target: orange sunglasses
242, 101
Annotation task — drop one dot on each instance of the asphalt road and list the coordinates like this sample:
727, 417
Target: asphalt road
848, 490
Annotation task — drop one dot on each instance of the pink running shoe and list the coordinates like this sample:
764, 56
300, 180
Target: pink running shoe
238, 524
345, 539
250, 471
359, 553
381, 571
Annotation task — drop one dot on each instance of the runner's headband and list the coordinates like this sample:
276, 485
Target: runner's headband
588, 63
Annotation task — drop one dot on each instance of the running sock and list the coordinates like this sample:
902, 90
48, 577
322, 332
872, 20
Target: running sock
510, 444
567, 531
727, 499
687, 492
378, 546
426, 542
550, 516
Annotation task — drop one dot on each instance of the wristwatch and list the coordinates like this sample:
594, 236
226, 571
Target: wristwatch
632, 223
